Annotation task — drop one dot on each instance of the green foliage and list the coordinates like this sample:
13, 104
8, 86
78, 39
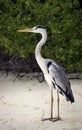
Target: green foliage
62, 19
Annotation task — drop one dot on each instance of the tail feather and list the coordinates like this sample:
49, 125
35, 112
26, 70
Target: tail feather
68, 93
69, 96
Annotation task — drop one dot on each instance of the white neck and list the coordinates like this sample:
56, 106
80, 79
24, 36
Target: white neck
38, 55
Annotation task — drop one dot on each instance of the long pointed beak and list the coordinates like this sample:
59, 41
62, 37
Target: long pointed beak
25, 30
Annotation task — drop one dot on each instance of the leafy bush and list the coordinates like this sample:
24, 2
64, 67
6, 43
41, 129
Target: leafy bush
62, 20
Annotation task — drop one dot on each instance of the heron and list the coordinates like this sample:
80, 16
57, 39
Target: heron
54, 74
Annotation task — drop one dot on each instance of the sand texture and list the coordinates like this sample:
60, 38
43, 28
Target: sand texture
24, 102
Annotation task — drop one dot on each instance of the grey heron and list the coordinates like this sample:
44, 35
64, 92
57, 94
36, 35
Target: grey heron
53, 72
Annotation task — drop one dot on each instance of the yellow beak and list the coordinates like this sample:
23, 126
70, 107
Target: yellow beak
25, 30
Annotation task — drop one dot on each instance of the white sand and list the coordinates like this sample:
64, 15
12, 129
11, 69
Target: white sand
24, 102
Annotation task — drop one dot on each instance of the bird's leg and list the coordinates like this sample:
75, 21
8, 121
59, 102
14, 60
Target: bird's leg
53, 119
58, 104
50, 118
51, 103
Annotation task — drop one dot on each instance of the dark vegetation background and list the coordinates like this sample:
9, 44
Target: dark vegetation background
63, 21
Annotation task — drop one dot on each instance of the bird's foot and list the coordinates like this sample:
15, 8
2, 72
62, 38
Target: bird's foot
53, 119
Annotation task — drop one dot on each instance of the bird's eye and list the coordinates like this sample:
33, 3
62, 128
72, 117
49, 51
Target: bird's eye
39, 26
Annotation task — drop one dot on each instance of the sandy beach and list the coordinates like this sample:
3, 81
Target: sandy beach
23, 103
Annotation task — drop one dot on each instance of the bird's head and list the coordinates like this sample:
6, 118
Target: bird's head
37, 29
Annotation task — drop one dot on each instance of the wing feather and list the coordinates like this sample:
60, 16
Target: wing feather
60, 79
